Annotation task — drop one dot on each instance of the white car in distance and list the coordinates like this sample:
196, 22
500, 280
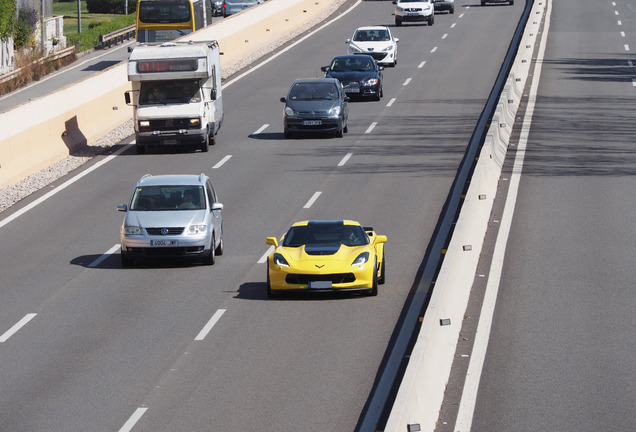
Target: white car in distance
414, 11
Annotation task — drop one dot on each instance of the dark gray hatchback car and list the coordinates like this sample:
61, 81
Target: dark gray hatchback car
316, 105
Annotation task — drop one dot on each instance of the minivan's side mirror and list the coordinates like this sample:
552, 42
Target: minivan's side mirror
283, 100
122, 208
324, 68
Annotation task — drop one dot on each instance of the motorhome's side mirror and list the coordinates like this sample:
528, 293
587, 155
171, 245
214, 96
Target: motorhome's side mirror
127, 97
213, 94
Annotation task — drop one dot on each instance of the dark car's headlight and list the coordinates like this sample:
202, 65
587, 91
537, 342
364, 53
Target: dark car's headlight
361, 259
289, 111
335, 111
370, 82
280, 260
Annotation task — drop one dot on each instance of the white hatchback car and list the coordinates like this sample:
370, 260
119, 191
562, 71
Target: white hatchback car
172, 216
376, 41
414, 10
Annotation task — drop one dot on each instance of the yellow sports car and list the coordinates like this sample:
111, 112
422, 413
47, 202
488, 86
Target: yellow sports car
330, 255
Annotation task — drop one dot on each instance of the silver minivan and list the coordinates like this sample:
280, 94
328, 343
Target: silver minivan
172, 216
235, 6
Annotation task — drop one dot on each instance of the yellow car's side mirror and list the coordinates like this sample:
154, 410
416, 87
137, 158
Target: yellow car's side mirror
271, 241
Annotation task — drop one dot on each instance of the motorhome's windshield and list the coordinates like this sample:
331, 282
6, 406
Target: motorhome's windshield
169, 92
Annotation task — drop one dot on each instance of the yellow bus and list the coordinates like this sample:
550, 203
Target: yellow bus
165, 20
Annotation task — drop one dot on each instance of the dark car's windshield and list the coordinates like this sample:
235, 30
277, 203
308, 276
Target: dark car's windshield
325, 234
310, 91
352, 65
161, 198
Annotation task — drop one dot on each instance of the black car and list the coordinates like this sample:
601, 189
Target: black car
359, 75
316, 105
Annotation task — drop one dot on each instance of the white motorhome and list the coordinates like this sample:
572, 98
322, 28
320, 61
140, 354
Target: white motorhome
176, 93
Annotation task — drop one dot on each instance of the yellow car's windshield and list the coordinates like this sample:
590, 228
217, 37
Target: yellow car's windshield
325, 233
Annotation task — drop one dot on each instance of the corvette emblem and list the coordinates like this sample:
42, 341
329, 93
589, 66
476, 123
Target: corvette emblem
319, 266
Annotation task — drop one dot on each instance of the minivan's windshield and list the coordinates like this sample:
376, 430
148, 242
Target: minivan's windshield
162, 198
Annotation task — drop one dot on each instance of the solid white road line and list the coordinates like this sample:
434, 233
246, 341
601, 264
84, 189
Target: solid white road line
62, 186
345, 159
205, 330
220, 163
16, 327
471, 386
108, 253
48, 77
312, 200
127, 427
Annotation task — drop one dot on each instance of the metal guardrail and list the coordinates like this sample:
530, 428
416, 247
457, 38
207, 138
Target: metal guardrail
58, 55
117, 36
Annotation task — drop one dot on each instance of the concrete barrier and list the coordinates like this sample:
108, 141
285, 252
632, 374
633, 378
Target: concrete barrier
43, 131
421, 393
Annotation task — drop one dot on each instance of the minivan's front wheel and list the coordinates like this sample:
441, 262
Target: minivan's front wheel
210, 259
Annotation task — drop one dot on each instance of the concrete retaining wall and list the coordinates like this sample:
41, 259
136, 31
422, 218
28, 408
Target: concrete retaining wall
43, 131
421, 393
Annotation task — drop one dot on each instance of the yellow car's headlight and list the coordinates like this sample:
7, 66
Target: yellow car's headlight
361, 259
280, 260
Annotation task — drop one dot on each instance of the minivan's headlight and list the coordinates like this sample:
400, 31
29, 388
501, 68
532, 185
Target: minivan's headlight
361, 259
197, 229
335, 111
370, 82
289, 111
132, 230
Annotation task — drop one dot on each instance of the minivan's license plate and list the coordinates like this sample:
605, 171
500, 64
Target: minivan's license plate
155, 243
312, 122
